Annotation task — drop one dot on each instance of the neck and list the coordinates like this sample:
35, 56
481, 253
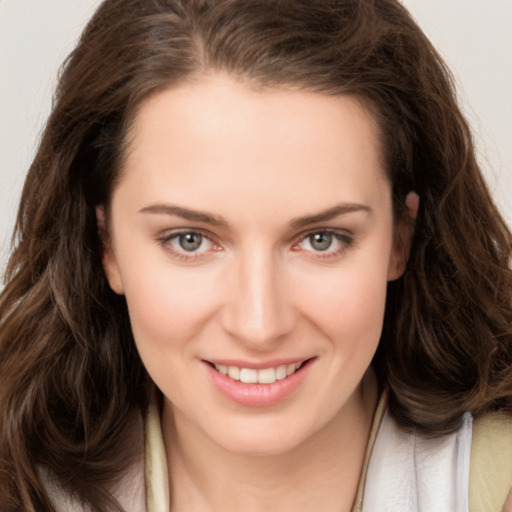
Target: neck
321, 473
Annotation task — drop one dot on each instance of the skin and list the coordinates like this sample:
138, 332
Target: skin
261, 164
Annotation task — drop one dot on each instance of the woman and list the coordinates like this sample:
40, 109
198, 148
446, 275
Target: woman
256, 266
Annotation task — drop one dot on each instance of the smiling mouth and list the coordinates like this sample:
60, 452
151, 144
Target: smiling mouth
259, 376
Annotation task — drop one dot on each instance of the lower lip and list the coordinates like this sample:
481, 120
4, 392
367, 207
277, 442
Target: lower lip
258, 395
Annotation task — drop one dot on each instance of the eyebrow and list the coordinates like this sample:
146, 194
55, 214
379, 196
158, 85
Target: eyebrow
214, 220
331, 213
185, 213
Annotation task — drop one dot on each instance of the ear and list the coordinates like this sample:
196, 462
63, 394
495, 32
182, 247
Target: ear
108, 257
403, 239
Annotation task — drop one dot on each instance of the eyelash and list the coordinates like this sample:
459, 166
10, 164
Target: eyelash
344, 239
166, 242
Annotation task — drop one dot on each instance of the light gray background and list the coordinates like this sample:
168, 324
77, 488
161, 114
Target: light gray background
474, 36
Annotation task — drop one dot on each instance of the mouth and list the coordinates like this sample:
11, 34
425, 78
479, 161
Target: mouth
268, 375
258, 385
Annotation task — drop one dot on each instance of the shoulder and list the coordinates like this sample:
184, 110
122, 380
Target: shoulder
491, 463
411, 472
467, 470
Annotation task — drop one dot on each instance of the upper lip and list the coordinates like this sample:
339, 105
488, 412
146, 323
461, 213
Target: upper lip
274, 363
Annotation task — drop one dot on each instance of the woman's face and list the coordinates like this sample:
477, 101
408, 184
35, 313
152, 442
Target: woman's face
252, 234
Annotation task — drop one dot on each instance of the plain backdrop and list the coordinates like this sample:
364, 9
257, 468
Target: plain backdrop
474, 37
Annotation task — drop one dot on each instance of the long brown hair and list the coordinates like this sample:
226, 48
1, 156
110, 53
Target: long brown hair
70, 377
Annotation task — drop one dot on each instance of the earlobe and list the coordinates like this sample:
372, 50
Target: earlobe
108, 258
400, 255
403, 239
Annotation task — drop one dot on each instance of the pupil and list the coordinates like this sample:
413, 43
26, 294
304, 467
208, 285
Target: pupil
190, 241
321, 241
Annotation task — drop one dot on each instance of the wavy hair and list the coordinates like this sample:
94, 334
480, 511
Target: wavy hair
70, 377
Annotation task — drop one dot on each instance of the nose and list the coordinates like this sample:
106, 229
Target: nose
258, 309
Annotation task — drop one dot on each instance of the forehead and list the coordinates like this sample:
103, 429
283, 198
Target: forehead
218, 134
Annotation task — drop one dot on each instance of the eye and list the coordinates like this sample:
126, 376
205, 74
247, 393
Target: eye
320, 241
324, 243
188, 244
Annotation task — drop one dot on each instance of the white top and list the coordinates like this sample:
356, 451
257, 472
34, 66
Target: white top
411, 473
405, 473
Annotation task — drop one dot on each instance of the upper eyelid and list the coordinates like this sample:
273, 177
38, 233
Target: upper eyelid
333, 231
172, 233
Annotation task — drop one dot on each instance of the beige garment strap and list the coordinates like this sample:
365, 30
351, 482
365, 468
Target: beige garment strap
490, 478
157, 482
377, 418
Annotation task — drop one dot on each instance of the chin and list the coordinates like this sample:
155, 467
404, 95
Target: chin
263, 436
261, 446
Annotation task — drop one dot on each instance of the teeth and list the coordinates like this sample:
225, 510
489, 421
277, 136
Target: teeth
263, 376
267, 376
234, 372
248, 375
281, 372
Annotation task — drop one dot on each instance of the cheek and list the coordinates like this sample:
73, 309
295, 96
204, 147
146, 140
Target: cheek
168, 305
355, 304
348, 303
